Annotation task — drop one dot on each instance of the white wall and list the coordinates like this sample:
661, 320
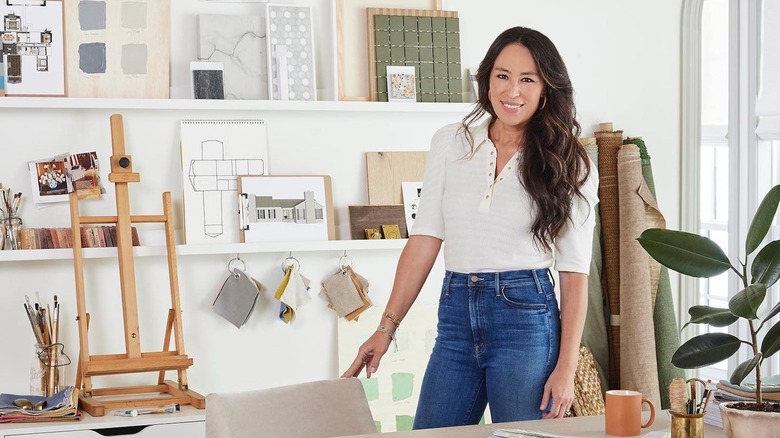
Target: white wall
623, 57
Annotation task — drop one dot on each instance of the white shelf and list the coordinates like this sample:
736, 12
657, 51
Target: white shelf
229, 105
226, 248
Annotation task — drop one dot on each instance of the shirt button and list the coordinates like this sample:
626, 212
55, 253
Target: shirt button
487, 196
491, 152
490, 174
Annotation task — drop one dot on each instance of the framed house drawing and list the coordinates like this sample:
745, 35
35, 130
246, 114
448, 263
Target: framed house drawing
214, 153
285, 208
33, 55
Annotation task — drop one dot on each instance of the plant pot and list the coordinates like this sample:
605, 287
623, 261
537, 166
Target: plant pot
738, 423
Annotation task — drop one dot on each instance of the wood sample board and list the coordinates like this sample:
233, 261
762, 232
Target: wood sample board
385, 171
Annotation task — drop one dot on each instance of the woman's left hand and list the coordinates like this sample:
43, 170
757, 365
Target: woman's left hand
559, 387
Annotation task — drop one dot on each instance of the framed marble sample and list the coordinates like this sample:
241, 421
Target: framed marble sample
33, 48
239, 43
207, 80
118, 48
290, 48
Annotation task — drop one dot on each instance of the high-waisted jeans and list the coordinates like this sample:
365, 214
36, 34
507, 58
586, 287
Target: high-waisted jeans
498, 341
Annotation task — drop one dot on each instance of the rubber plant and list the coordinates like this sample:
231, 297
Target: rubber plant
697, 256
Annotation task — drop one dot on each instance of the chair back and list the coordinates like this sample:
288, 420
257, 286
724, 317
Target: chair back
320, 409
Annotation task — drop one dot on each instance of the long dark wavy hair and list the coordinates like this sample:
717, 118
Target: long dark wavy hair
553, 166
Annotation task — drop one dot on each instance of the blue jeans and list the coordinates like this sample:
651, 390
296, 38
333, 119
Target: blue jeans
498, 341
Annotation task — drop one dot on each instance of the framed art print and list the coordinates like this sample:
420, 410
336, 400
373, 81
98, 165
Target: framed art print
401, 84
286, 208
33, 55
290, 48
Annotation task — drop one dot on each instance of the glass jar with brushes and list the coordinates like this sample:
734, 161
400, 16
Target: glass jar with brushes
12, 232
10, 222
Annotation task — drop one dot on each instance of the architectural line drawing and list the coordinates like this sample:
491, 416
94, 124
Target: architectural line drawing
265, 209
213, 176
19, 40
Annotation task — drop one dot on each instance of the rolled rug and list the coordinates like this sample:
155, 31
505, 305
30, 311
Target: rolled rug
594, 335
609, 143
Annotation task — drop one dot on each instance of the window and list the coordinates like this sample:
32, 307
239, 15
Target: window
737, 147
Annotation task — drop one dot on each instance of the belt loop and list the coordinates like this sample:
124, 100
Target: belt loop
552, 279
539, 289
447, 279
498, 283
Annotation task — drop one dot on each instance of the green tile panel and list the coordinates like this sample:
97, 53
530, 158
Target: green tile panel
430, 44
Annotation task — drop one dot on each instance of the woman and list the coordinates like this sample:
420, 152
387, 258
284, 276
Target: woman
511, 192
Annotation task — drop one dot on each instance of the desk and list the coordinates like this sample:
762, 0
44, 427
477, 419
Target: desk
189, 422
575, 426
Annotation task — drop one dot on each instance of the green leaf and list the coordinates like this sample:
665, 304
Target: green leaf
714, 316
771, 343
744, 369
766, 266
746, 302
762, 220
686, 253
775, 310
706, 349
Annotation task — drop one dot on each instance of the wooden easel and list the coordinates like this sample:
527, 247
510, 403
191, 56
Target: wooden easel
133, 360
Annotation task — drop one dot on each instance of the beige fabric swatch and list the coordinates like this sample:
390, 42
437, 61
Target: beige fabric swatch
637, 336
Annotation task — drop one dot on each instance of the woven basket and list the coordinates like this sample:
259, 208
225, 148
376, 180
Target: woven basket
588, 398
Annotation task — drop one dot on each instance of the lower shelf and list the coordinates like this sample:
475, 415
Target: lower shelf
227, 248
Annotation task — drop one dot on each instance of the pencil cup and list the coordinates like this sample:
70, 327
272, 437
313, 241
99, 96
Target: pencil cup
12, 227
687, 425
47, 369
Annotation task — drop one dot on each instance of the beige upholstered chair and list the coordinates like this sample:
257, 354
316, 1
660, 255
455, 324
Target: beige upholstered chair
321, 409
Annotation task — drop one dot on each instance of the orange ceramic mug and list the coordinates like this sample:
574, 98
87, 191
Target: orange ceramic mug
624, 413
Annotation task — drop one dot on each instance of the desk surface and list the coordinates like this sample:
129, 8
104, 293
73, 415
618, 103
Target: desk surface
575, 427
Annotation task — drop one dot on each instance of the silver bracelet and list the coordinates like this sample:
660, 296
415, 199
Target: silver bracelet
388, 332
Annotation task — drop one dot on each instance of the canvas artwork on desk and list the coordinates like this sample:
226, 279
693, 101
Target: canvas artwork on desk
33, 48
118, 49
239, 43
286, 208
394, 390
214, 153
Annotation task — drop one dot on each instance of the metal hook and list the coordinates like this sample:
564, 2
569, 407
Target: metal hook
232, 267
293, 262
342, 264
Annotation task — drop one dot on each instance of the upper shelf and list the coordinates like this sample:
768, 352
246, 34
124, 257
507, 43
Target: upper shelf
225, 248
237, 105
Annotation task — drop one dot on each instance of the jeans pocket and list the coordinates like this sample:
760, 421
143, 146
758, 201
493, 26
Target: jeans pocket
445, 291
523, 296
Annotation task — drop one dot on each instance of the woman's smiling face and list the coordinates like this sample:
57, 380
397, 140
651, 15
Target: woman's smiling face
515, 86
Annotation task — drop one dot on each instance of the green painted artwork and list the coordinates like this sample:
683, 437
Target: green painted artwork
371, 387
403, 422
403, 383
